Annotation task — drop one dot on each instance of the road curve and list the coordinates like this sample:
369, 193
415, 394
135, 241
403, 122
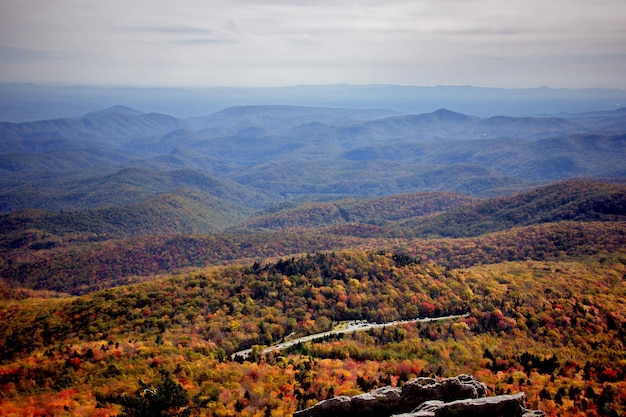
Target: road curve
353, 326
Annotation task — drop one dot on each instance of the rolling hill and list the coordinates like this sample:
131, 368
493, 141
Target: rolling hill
575, 200
112, 127
182, 211
378, 211
67, 252
275, 117
105, 188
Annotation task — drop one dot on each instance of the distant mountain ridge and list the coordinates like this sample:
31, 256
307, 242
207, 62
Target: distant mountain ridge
120, 123
105, 129
282, 116
29, 102
117, 109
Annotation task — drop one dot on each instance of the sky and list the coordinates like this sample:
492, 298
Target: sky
263, 43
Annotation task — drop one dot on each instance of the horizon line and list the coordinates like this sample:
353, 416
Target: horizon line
234, 87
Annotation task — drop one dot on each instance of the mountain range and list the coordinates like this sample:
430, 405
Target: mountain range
250, 157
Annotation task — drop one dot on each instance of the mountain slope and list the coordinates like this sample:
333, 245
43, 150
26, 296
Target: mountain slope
270, 117
373, 211
576, 200
309, 178
118, 109
82, 190
100, 129
60, 161
36, 254
442, 125
72, 349
535, 160
178, 212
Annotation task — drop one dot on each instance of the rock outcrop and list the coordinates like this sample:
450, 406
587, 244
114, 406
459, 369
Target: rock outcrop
425, 397
501, 405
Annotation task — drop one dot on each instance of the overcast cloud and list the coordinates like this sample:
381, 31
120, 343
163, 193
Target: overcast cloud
515, 43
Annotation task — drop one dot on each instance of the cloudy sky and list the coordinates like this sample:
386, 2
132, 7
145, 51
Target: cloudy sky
497, 43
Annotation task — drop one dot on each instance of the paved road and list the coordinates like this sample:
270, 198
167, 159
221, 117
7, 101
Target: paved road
346, 327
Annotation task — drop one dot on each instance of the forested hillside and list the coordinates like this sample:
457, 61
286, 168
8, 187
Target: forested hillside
528, 330
379, 211
181, 211
564, 201
76, 254
63, 191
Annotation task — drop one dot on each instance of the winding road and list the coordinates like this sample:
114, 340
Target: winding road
344, 327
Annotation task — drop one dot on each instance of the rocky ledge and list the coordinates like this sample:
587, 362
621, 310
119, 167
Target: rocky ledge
425, 397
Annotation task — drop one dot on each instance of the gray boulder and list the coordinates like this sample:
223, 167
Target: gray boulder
389, 400
501, 405
425, 397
